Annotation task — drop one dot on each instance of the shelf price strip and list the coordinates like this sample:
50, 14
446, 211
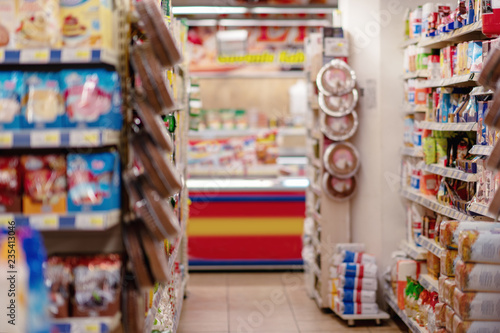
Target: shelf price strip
481, 150
413, 251
451, 173
428, 282
465, 127
430, 245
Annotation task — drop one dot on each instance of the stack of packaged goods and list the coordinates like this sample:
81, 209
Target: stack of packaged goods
354, 281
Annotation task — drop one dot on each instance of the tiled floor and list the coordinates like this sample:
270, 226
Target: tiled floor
259, 303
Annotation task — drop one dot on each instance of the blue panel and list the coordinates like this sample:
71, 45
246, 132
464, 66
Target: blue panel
249, 198
288, 262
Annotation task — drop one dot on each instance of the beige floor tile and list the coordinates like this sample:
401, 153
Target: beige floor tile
254, 279
205, 315
212, 306
261, 324
201, 326
207, 279
392, 330
321, 325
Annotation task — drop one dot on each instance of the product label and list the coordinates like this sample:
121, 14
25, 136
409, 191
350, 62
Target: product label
486, 249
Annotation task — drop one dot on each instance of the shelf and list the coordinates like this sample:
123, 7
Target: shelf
477, 91
409, 108
451, 173
317, 298
459, 127
431, 203
86, 325
78, 221
351, 318
467, 80
431, 246
317, 217
178, 306
412, 324
481, 209
466, 33
58, 56
412, 151
481, 150
428, 282
315, 269
422, 73
409, 42
413, 251
59, 138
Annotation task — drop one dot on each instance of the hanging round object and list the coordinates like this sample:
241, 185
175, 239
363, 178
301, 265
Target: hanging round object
337, 106
341, 160
339, 128
336, 78
339, 189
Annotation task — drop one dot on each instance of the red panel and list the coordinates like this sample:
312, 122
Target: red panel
245, 247
247, 209
211, 192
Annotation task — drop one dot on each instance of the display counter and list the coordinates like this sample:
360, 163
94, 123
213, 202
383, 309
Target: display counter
246, 223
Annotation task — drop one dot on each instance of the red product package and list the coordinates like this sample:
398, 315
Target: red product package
10, 185
44, 184
58, 278
97, 282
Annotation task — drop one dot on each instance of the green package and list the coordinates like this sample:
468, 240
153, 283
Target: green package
429, 148
441, 148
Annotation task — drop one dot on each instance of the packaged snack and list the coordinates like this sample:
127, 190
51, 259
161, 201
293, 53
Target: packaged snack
87, 23
405, 269
44, 184
10, 185
97, 286
476, 306
92, 98
93, 182
42, 103
336, 78
450, 230
341, 160
357, 283
357, 270
440, 311
7, 24
355, 308
479, 246
37, 24
58, 278
433, 265
446, 289
449, 314
448, 262
11, 85
357, 296
339, 128
477, 277
460, 326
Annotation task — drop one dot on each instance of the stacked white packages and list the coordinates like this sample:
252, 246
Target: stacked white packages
354, 281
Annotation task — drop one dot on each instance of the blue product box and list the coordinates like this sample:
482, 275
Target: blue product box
11, 89
481, 127
92, 99
445, 107
42, 103
471, 14
93, 182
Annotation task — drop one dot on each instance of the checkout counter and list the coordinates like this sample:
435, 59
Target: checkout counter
246, 223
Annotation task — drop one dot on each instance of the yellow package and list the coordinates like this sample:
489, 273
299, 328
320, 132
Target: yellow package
37, 24
87, 23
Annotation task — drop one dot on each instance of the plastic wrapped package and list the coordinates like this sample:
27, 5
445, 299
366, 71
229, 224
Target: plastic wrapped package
357, 283
405, 269
353, 257
357, 296
357, 270
482, 247
433, 265
450, 231
440, 312
449, 314
476, 306
460, 326
355, 308
477, 277
448, 262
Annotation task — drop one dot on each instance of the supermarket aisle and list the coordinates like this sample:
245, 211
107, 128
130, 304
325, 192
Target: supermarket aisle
255, 303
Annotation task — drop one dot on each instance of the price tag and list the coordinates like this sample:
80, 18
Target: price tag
2, 55
76, 55
5, 219
44, 222
45, 139
6, 139
86, 222
34, 56
91, 328
85, 138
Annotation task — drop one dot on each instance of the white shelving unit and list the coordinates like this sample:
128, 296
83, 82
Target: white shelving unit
428, 282
458, 127
59, 138
413, 152
451, 173
481, 150
431, 246
413, 251
45, 56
